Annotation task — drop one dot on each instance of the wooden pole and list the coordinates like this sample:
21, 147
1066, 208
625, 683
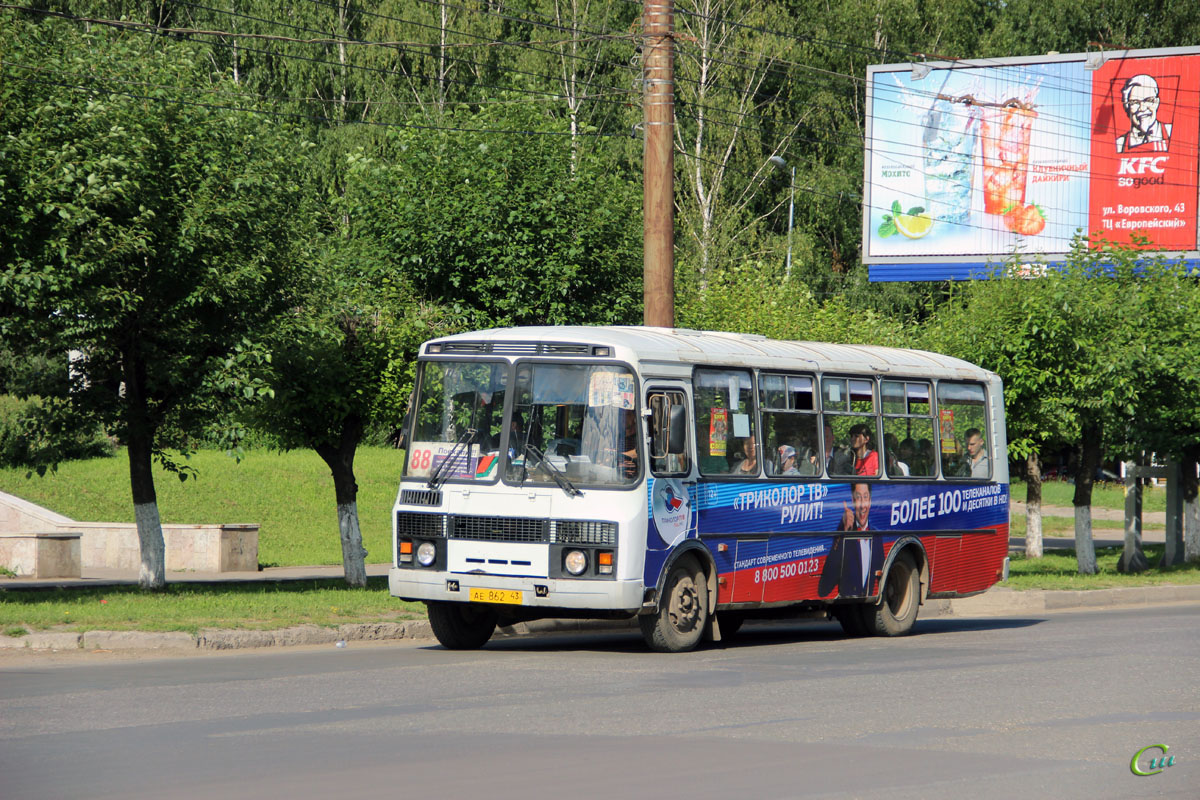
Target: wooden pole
658, 210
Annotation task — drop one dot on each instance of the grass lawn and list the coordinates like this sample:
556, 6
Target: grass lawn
289, 494
1104, 495
1058, 570
190, 607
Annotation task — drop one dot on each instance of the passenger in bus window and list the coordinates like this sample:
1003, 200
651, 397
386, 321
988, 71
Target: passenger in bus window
838, 461
787, 460
977, 461
927, 457
896, 467
908, 454
866, 459
748, 463
807, 462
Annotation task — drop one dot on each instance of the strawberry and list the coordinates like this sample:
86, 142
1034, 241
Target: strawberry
1027, 220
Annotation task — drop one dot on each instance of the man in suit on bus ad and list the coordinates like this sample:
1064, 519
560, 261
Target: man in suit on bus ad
853, 561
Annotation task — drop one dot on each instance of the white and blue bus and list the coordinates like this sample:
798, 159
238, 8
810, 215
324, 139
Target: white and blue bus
693, 479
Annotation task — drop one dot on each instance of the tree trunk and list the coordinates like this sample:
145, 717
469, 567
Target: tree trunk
1033, 506
1133, 557
1190, 486
341, 464
1089, 460
140, 443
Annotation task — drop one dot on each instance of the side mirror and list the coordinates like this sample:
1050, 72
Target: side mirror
677, 436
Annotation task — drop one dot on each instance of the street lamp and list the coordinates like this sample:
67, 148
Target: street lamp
782, 164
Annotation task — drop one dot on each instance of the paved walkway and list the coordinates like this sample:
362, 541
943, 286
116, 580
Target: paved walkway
1017, 507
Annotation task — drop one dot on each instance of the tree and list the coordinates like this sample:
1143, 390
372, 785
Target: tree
333, 367
1089, 354
499, 229
145, 225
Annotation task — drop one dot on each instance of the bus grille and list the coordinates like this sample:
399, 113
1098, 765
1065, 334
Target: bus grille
421, 497
417, 525
499, 529
585, 532
420, 525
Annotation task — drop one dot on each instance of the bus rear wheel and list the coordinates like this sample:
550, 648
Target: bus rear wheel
683, 612
461, 626
897, 610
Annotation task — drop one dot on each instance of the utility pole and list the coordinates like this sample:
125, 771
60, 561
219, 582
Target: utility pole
658, 199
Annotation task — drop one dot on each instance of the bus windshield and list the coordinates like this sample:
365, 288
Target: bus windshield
459, 419
576, 420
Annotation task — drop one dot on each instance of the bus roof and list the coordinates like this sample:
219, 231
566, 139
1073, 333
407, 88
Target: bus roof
680, 345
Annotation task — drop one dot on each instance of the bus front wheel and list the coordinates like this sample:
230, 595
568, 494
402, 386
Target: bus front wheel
683, 612
897, 610
461, 626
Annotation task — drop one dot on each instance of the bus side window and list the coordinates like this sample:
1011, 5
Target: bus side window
963, 430
724, 417
851, 422
668, 433
908, 430
789, 419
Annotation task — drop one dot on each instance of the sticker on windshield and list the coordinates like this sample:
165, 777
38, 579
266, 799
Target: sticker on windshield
426, 457
607, 388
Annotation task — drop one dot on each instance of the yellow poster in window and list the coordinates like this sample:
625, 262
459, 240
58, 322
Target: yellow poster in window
718, 431
946, 430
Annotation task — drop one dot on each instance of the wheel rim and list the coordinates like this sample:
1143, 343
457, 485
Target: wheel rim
684, 610
897, 594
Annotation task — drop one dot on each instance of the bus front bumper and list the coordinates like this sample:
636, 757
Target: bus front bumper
548, 593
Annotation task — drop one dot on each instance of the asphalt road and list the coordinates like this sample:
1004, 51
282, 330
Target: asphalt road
1052, 706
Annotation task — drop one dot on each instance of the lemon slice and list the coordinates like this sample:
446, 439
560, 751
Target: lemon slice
914, 227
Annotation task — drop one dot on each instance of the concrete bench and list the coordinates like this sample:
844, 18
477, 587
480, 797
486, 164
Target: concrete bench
189, 548
41, 555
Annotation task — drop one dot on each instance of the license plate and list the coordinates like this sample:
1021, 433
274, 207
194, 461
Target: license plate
507, 596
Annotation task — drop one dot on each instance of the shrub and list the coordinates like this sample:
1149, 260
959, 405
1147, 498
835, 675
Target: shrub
23, 442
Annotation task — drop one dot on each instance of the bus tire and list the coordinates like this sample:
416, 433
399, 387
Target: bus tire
901, 598
682, 616
461, 626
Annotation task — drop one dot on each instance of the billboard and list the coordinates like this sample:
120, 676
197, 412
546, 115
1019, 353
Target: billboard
968, 162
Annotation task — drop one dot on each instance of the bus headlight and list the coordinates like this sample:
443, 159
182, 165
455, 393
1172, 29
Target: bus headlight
426, 554
575, 561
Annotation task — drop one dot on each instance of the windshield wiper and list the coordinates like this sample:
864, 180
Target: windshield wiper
563, 482
436, 479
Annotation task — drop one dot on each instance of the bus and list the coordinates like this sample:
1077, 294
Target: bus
693, 480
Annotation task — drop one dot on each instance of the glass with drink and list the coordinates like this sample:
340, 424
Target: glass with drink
948, 137
1005, 133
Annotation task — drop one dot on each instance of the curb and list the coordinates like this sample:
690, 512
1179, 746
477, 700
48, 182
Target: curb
214, 639
995, 602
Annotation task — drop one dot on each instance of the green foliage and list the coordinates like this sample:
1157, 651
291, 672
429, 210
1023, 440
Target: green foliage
754, 298
497, 231
1107, 341
28, 440
148, 232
